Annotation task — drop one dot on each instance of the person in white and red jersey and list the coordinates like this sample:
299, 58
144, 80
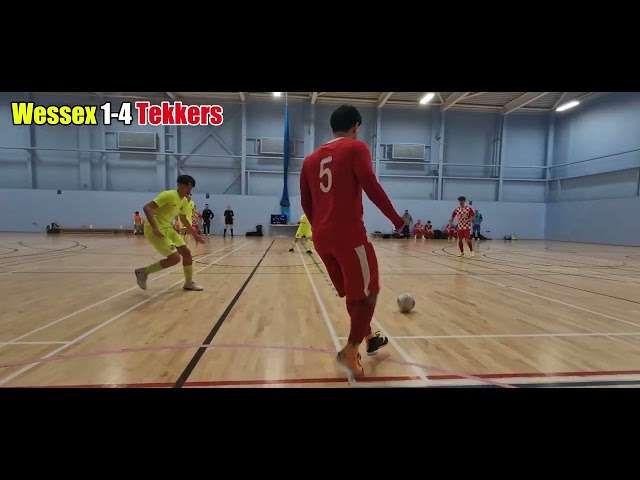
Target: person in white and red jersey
331, 183
452, 232
418, 229
428, 230
465, 216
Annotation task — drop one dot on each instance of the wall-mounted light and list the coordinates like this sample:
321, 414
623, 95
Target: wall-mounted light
567, 106
277, 94
427, 98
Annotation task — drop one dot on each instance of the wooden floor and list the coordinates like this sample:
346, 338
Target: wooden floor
522, 313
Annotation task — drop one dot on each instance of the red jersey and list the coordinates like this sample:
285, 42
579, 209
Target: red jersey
465, 216
331, 183
195, 217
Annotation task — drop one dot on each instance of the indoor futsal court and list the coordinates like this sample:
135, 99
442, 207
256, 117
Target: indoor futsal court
549, 299
533, 313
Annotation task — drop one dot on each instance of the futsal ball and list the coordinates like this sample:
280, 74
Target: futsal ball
406, 302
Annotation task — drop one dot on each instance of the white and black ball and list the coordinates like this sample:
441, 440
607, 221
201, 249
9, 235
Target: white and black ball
406, 302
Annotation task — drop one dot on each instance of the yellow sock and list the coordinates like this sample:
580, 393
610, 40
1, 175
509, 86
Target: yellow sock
155, 267
309, 244
188, 271
293, 244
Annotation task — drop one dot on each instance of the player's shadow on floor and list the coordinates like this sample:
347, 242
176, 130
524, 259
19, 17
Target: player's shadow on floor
376, 360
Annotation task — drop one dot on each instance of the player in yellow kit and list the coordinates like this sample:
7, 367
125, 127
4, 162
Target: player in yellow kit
192, 215
304, 230
161, 234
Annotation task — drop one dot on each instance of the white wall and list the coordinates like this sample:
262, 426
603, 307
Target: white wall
20, 208
613, 221
112, 209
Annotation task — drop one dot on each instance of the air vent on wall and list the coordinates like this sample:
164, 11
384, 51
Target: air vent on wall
137, 141
273, 146
408, 151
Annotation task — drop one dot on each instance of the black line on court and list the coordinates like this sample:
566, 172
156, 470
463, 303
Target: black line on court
580, 254
481, 264
45, 257
89, 272
324, 275
172, 273
582, 264
207, 341
578, 266
251, 266
41, 254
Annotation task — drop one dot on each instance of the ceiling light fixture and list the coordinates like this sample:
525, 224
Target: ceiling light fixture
567, 106
427, 98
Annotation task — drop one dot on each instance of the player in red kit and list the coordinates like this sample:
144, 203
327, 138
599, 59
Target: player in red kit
465, 216
331, 184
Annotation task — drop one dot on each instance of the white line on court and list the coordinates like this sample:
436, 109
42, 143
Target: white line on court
407, 358
541, 296
84, 309
401, 351
33, 343
515, 335
114, 318
576, 307
325, 314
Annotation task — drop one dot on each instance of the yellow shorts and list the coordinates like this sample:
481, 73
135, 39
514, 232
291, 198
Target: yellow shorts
166, 245
303, 232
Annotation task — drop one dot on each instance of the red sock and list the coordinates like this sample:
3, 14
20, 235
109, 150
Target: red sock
470, 245
461, 245
361, 313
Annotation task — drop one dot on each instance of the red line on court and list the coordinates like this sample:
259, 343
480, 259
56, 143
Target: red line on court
228, 383
305, 381
541, 374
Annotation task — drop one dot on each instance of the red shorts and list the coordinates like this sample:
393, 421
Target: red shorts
353, 271
464, 234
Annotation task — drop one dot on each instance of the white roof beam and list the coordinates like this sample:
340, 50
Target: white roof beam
172, 95
477, 94
440, 97
314, 97
454, 98
522, 101
589, 96
242, 96
382, 99
559, 101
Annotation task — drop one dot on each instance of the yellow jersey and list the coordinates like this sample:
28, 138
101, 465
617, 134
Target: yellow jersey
169, 205
304, 221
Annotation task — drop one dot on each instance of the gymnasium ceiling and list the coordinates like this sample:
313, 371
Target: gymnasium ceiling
504, 102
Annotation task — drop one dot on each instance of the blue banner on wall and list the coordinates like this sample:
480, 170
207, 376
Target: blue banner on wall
284, 202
